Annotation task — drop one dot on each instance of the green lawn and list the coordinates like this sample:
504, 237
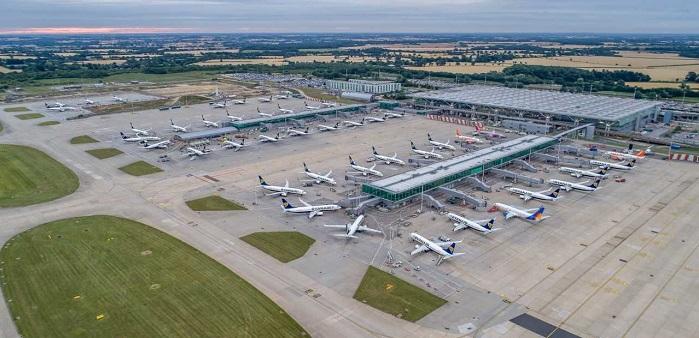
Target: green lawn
284, 245
16, 109
104, 276
213, 203
393, 295
48, 123
28, 176
103, 153
82, 139
130, 106
140, 168
29, 116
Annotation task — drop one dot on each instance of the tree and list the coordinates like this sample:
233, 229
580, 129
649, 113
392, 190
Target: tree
692, 77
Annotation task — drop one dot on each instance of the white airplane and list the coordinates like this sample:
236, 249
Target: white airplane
440, 145
568, 186
277, 190
310, 107
294, 132
322, 127
388, 115
487, 134
264, 114
354, 124
285, 111
89, 102
329, 104
243, 101
424, 153
282, 96
233, 118
139, 132
619, 166
118, 99
193, 153
265, 100
138, 138
624, 156
220, 105
580, 173
483, 226
312, 210
364, 170
318, 178
374, 119
265, 138
61, 108
353, 228
535, 215
445, 250
209, 124
177, 128
54, 105
387, 159
159, 145
228, 144
527, 195
466, 138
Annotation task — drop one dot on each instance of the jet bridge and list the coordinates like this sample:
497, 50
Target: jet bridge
517, 177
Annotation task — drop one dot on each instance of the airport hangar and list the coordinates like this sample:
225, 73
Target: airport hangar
550, 107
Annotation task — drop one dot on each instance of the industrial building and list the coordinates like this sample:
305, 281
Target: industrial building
282, 118
415, 182
363, 86
551, 107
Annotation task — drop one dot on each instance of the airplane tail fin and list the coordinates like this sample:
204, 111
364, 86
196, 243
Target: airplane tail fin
429, 138
286, 204
554, 194
641, 154
262, 180
450, 249
172, 123
537, 215
458, 131
489, 225
277, 137
351, 160
122, 135
631, 164
131, 123
305, 168
595, 184
373, 150
412, 145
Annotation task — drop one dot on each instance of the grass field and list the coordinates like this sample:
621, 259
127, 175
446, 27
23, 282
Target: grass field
140, 168
283, 245
213, 203
104, 276
16, 109
130, 106
392, 295
48, 123
29, 116
82, 139
28, 176
103, 153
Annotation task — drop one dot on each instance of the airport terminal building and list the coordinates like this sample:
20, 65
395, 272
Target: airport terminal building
363, 86
551, 107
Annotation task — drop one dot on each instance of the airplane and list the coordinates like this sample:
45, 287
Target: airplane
312, 210
285, 111
193, 153
322, 127
265, 100
138, 138
233, 118
424, 153
364, 170
580, 173
328, 104
265, 138
387, 159
526, 195
277, 190
483, 226
310, 107
219, 105
619, 166
374, 119
440, 145
139, 132
177, 128
318, 178
536, 214
159, 145
54, 105
487, 134
228, 144
445, 250
281, 96
568, 186
264, 114
294, 132
624, 156
61, 108
465, 138
352, 228
89, 102
118, 99
209, 124
243, 101
354, 124
388, 115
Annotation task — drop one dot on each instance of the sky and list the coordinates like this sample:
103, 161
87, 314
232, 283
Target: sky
283, 16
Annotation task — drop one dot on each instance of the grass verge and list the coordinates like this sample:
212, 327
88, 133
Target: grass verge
213, 203
29, 116
82, 139
105, 276
140, 168
393, 295
48, 123
103, 153
285, 246
29, 176
16, 109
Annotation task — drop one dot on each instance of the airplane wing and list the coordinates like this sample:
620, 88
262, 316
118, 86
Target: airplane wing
367, 229
454, 255
532, 210
274, 194
304, 203
337, 226
286, 185
329, 173
312, 214
420, 249
509, 215
460, 226
345, 236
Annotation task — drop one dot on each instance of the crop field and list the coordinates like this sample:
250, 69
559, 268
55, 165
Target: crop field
82, 139
284, 245
130, 106
29, 176
464, 68
103, 153
651, 85
104, 276
213, 203
140, 168
234, 62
